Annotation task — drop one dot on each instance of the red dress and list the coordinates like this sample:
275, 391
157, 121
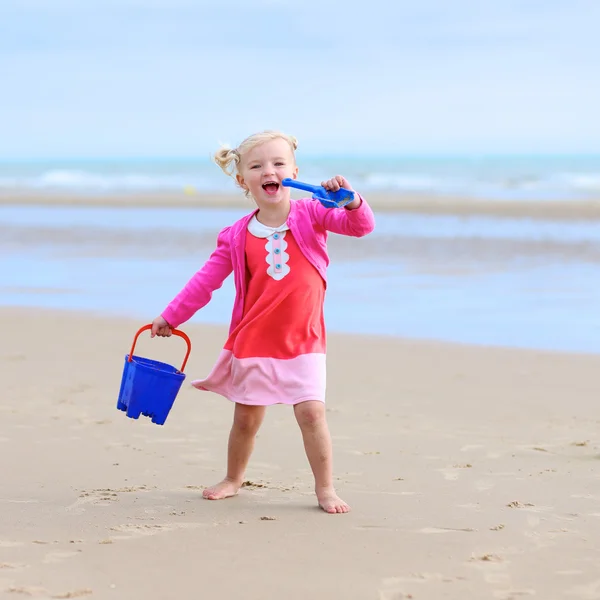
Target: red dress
277, 352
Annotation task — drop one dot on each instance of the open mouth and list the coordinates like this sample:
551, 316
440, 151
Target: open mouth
271, 187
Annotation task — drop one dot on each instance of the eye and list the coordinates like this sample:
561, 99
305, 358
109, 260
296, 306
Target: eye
279, 164
255, 166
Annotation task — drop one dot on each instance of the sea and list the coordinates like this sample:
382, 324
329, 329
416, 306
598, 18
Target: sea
511, 282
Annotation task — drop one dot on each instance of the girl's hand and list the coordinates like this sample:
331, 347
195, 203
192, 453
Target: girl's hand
160, 328
337, 182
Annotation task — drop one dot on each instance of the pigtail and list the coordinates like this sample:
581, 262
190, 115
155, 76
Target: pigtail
224, 157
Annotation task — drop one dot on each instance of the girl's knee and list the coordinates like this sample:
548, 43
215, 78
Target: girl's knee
310, 414
248, 418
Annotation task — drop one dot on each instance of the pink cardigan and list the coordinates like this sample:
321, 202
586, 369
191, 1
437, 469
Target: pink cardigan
309, 221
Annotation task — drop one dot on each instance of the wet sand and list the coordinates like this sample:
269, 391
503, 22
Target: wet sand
564, 209
472, 473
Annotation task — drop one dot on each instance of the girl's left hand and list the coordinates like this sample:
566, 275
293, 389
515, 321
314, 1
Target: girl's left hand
335, 183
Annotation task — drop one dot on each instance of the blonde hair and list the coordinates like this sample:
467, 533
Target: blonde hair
229, 158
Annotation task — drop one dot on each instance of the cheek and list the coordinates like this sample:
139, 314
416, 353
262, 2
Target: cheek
248, 178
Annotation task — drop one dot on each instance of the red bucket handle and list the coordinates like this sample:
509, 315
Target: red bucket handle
175, 332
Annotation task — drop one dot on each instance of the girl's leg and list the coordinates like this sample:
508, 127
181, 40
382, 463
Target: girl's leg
246, 422
317, 443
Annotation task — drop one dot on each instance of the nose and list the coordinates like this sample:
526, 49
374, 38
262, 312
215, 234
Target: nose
268, 170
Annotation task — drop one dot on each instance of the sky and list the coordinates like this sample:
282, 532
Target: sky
136, 78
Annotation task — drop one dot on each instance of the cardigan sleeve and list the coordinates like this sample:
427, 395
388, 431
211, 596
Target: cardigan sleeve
356, 222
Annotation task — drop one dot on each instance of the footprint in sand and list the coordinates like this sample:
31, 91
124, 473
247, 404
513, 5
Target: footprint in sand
133, 530
140, 530
102, 496
89, 498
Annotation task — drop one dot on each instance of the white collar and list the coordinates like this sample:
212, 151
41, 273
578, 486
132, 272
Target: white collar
257, 229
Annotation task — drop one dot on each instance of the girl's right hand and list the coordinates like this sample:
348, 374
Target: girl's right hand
160, 328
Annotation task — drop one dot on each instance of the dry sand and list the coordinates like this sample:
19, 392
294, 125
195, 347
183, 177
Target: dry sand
472, 473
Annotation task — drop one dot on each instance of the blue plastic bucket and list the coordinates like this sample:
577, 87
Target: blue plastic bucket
149, 387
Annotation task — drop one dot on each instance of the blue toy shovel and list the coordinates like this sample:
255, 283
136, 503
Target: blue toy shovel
149, 387
327, 199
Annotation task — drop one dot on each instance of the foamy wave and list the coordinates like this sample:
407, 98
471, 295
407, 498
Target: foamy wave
84, 180
72, 180
587, 183
408, 183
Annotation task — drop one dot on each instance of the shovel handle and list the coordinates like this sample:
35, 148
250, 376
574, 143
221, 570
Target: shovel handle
175, 332
307, 187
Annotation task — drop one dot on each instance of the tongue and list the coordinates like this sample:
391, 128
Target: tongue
271, 188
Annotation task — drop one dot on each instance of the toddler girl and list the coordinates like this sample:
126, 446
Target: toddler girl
275, 352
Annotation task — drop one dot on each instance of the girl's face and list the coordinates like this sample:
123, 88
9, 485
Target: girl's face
262, 169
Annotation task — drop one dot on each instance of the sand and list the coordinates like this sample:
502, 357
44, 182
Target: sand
472, 473
565, 209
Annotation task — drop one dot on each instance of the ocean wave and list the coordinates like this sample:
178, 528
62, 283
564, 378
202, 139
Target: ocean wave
83, 181
586, 183
80, 180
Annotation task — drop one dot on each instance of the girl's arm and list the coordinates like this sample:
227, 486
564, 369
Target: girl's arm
355, 219
355, 222
199, 289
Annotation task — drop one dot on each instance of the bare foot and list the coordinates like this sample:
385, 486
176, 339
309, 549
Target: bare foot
331, 503
224, 489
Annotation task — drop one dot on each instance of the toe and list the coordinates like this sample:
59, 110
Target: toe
209, 494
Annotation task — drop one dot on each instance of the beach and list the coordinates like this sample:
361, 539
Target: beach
472, 472
462, 400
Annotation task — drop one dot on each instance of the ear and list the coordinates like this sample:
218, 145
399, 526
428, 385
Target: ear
241, 182
295, 172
